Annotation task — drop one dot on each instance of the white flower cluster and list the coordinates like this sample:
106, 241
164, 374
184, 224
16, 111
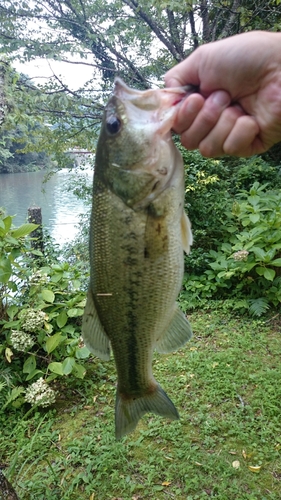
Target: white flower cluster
39, 393
32, 319
38, 278
241, 255
21, 341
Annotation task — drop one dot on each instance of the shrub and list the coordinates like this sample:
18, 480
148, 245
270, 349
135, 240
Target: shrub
40, 331
247, 264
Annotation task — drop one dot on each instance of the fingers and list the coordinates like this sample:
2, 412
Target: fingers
197, 117
188, 112
214, 143
242, 139
185, 72
216, 128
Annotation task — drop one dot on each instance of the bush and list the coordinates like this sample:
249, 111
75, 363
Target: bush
247, 264
41, 321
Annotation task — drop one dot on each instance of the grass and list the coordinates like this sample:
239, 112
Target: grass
226, 384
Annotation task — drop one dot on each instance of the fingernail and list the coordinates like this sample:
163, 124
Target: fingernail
221, 98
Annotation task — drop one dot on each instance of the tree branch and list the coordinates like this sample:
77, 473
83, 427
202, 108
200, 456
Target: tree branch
133, 4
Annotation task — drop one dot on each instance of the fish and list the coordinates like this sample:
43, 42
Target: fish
138, 234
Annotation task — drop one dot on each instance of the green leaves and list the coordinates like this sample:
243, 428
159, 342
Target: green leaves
247, 265
5, 269
48, 296
24, 230
67, 367
54, 341
42, 324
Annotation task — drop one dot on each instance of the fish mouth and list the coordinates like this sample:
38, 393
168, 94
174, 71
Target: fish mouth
161, 104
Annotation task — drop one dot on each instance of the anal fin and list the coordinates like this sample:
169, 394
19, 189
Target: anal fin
93, 332
176, 335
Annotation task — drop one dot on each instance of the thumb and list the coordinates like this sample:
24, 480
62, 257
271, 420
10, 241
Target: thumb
186, 72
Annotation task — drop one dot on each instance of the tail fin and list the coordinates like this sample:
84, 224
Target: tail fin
128, 411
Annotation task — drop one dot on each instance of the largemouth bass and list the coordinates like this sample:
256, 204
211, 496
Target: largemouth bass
139, 231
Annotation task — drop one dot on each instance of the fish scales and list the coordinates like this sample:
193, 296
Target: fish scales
138, 230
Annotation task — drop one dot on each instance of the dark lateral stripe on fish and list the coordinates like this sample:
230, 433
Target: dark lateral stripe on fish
132, 343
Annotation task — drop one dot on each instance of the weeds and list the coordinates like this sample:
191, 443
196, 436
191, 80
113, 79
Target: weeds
226, 386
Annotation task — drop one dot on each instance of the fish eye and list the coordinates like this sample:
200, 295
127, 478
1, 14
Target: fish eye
113, 124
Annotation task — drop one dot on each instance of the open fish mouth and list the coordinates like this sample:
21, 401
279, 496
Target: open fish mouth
163, 101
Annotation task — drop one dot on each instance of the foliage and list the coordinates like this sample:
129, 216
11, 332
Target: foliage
247, 263
226, 385
134, 39
12, 248
12, 156
41, 317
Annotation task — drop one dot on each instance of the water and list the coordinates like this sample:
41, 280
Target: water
60, 208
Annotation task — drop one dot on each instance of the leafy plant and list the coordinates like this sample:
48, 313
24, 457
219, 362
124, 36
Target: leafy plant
40, 334
248, 264
12, 248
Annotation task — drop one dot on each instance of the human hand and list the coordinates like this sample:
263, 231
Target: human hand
238, 110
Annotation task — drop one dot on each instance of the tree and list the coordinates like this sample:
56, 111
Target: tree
135, 39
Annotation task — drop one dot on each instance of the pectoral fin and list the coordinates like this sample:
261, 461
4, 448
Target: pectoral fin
186, 234
93, 332
177, 334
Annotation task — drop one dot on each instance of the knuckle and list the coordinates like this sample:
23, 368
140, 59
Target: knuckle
209, 150
189, 141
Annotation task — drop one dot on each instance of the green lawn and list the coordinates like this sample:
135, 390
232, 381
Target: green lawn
226, 384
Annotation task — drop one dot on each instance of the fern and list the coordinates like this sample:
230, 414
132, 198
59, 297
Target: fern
258, 306
13, 394
2, 385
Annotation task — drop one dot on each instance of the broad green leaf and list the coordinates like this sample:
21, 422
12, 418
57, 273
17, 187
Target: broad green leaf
56, 367
8, 222
260, 270
254, 218
24, 230
269, 274
216, 266
5, 270
226, 247
33, 373
79, 371
36, 252
53, 342
67, 365
29, 364
75, 312
76, 284
48, 295
12, 311
254, 200
82, 353
259, 253
62, 319
276, 262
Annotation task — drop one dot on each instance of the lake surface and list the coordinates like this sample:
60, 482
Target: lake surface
60, 207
